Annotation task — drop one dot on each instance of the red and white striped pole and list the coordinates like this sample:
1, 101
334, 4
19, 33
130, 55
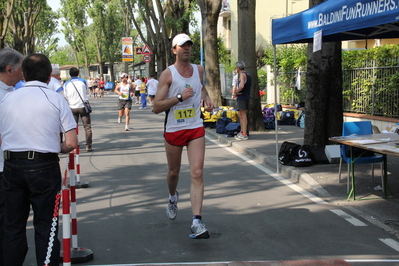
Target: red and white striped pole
77, 158
73, 200
66, 224
78, 183
78, 255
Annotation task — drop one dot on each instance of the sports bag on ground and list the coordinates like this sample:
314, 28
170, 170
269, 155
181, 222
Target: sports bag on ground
232, 129
301, 156
221, 124
284, 155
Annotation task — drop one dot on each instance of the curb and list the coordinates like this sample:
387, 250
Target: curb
288, 172
293, 174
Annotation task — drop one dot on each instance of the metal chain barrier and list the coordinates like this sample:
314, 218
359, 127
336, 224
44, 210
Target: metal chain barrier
53, 229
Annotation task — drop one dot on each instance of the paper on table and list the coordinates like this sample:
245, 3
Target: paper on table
386, 147
369, 141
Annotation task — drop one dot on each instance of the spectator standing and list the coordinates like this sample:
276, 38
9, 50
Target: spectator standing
242, 93
32, 175
136, 87
75, 94
179, 95
10, 74
152, 87
143, 93
55, 83
125, 92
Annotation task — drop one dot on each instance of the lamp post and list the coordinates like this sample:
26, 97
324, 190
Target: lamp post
286, 8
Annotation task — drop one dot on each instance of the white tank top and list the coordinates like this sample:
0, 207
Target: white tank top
125, 89
186, 114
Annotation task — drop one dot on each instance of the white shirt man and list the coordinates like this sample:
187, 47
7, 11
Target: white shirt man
54, 83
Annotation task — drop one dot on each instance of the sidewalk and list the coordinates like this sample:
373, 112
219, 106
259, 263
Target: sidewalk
322, 179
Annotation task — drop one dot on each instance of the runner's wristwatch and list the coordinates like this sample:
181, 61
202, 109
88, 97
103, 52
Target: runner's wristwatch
179, 97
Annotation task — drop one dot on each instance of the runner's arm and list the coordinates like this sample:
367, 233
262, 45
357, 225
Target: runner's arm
117, 90
161, 104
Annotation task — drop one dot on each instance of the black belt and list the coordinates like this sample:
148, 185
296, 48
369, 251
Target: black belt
30, 155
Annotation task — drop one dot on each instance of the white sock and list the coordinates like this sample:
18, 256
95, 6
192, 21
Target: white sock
195, 221
173, 198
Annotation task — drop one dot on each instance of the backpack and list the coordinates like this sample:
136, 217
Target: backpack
221, 124
268, 113
232, 129
300, 122
269, 123
287, 118
284, 154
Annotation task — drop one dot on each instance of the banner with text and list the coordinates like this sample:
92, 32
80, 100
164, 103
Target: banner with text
127, 49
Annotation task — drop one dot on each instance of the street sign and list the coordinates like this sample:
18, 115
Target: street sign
146, 50
139, 50
147, 58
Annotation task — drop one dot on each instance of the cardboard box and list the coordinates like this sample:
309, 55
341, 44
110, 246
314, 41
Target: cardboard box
333, 153
391, 128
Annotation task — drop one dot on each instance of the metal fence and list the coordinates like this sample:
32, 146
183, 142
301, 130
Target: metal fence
371, 90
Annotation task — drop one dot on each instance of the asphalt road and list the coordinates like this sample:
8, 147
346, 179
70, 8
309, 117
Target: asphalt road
252, 214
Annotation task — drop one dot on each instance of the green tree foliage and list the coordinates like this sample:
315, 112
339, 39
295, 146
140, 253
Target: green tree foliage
75, 19
62, 56
31, 26
109, 24
45, 29
224, 54
289, 58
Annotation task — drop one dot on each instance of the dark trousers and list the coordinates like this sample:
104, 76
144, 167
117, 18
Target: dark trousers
80, 112
36, 183
2, 209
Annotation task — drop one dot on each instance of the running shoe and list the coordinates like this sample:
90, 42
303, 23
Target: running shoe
126, 128
198, 231
172, 210
119, 120
240, 136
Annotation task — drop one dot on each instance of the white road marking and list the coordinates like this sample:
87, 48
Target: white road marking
349, 218
271, 173
391, 243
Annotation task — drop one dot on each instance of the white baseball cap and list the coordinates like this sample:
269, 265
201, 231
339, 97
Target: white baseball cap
123, 74
181, 39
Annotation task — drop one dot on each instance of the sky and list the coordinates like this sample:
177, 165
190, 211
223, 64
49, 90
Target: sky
55, 5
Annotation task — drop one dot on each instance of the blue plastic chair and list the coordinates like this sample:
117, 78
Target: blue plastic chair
359, 128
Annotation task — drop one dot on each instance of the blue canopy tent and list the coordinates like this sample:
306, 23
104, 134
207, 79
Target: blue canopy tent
338, 20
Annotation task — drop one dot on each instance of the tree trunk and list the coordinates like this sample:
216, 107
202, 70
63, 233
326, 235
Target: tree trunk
247, 54
210, 10
323, 104
4, 22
